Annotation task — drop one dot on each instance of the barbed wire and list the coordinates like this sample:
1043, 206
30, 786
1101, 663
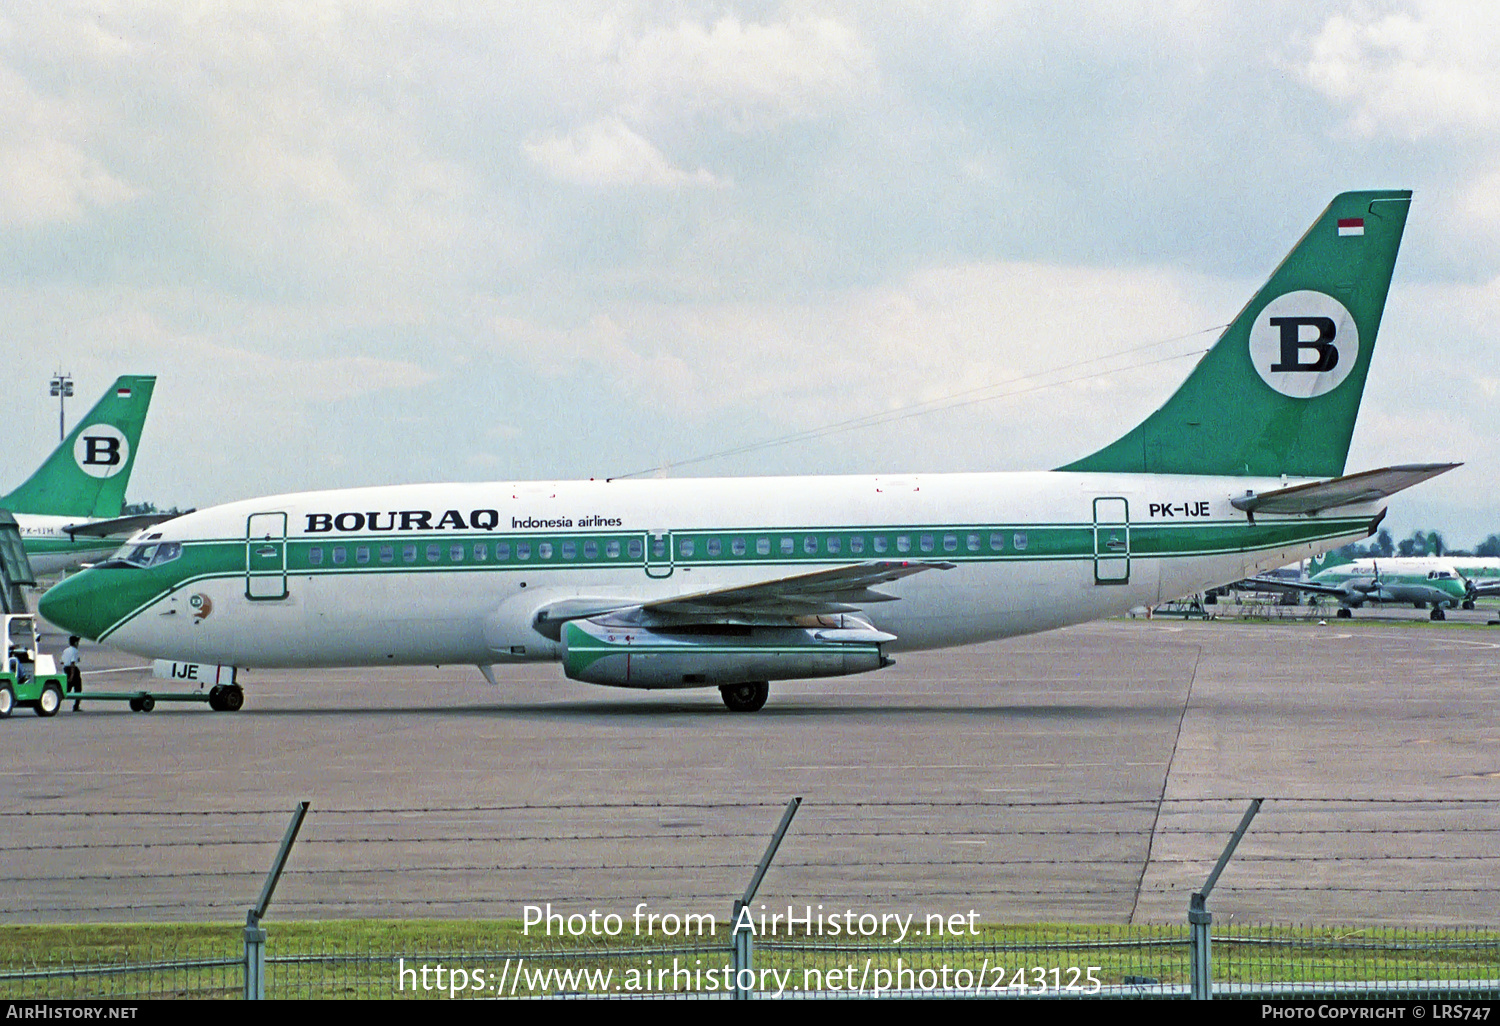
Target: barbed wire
1069, 803
656, 867
808, 834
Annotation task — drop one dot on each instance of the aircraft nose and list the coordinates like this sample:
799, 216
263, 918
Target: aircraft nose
77, 605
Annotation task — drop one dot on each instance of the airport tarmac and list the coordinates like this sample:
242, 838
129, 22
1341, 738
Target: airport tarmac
1086, 775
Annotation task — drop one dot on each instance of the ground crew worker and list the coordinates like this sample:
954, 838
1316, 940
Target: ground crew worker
71, 669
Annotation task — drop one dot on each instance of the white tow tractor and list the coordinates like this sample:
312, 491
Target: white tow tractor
29, 676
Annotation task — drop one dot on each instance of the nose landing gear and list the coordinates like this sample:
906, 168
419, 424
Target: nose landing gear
226, 697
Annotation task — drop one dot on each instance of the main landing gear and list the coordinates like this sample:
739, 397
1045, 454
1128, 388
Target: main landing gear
746, 697
226, 697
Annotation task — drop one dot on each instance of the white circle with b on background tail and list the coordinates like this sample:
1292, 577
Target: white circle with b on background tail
101, 450
1304, 344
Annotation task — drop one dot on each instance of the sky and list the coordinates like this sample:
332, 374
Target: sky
385, 242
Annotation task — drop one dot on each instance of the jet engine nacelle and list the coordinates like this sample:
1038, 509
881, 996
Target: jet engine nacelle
717, 654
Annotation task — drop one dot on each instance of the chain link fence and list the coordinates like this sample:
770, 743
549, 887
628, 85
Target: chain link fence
463, 960
874, 898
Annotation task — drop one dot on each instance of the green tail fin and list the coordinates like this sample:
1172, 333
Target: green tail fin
1329, 560
86, 475
1279, 392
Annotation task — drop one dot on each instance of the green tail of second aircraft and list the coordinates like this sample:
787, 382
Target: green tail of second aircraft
86, 475
1329, 560
1279, 392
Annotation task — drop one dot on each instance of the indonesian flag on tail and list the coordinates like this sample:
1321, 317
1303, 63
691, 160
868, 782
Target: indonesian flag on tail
1351, 226
124, 393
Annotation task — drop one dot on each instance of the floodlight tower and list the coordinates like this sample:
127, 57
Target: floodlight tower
62, 387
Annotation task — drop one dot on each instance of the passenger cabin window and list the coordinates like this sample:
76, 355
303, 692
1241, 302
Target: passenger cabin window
362, 554
1019, 541
409, 553
315, 555
340, 555
387, 553
434, 553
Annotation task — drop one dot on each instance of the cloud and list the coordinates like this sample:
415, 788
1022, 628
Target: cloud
742, 74
608, 153
670, 81
939, 332
1414, 73
47, 175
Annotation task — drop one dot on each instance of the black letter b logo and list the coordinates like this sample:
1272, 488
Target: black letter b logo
101, 452
1292, 344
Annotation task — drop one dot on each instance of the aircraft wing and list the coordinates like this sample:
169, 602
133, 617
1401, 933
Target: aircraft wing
840, 590
1274, 584
118, 526
1349, 490
844, 589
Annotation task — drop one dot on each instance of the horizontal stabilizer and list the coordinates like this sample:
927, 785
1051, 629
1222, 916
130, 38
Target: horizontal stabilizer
119, 526
1350, 490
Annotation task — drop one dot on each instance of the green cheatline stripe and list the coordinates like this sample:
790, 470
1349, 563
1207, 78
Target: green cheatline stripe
1069, 541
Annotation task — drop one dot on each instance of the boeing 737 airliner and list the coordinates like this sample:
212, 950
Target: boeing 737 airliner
734, 583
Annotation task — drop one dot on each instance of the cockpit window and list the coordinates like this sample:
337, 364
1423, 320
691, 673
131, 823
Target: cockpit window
154, 554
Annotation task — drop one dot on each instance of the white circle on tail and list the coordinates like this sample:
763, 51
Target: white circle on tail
1304, 344
101, 450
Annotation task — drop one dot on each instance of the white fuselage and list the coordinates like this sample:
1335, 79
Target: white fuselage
1032, 551
1397, 579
